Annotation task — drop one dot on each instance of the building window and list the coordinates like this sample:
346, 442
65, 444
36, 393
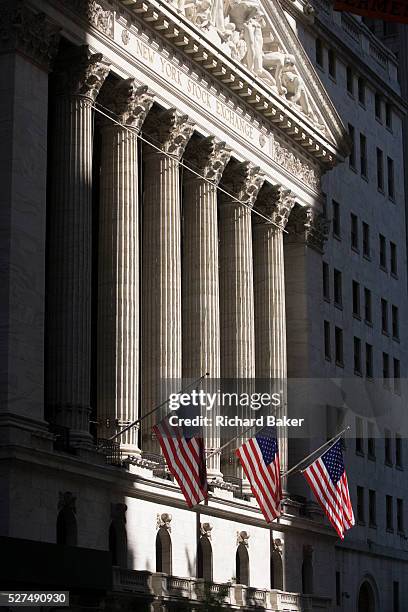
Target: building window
397, 375
372, 508
350, 80
389, 513
319, 52
327, 347
390, 178
369, 360
204, 559
366, 240
384, 316
332, 63
352, 158
336, 219
395, 597
354, 231
386, 370
363, 155
398, 451
393, 258
367, 306
395, 322
338, 589
370, 441
380, 170
242, 565
163, 551
388, 115
361, 90
378, 106
356, 299
338, 297
359, 436
400, 515
387, 447
383, 252
360, 505
326, 281
357, 355
338, 339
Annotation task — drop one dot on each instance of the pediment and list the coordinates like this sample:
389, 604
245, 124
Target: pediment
257, 35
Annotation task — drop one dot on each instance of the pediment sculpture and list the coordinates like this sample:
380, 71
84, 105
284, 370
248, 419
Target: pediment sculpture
242, 31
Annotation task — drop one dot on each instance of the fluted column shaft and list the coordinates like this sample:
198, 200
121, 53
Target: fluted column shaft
161, 296
69, 247
118, 276
201, 309
270, 311
242, 181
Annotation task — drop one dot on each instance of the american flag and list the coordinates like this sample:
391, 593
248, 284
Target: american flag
259, 457
184, 452
328, 480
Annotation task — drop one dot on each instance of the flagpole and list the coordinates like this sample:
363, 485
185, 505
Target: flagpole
218, 450
137, 421
315, 451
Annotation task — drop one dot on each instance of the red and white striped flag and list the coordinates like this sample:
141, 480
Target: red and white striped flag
328, 480
259, 457
185, 456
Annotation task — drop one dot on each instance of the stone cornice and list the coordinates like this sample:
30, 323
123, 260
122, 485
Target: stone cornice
161, 17
28, 32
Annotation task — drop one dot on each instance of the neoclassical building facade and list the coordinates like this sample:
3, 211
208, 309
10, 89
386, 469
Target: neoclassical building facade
162, 217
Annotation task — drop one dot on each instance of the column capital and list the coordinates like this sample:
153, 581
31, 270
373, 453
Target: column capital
242, 180
169, 130
308, 225
276, 203
81, 73
24, 31
208, 156
129, 101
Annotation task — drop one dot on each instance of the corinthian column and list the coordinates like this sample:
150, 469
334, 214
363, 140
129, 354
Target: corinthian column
161, 295
242, 181
118, 277
201, 308
269, 286
69, 248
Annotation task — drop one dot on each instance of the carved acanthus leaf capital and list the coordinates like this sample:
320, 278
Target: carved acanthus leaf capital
67, 501
168, 130
243, 181
118, 512
29, 33
81, 74
208, 157
206, 529
308, 225
163, 521
242, 538
275, 203
96, 14
129, 102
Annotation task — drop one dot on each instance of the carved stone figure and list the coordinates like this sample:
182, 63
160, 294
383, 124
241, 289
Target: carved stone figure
217, 16
252, 34
295, 88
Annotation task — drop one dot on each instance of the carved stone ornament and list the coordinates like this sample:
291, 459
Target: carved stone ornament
242, 538
277, 545
275, 203
67, 501
29, 33
118, 512
164, 520
308, 225
241, 29
243, 181
303, 170
206, 529
82, 73
129, 101
96, 14
208, 157
168, 130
